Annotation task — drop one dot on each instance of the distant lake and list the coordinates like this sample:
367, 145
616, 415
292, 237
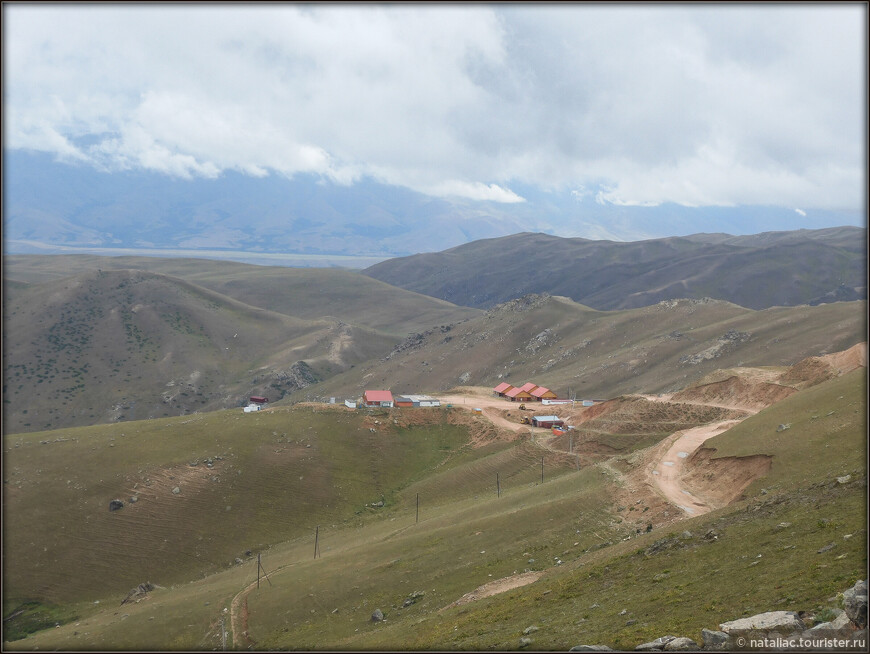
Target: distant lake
289, 259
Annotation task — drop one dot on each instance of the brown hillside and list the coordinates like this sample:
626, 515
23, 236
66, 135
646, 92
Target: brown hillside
124, 344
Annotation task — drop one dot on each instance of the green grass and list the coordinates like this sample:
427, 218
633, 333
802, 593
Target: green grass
765, 555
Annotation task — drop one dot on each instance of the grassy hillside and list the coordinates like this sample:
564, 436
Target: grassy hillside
121, 344
308, 293
759, 554
246, 482
573, 349
755, 271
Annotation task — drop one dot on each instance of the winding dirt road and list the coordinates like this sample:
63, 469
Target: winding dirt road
667, 470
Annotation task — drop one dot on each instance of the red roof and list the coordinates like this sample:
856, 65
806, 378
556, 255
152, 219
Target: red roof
515, 391
378, 396
528, 387
501, 388
540, 391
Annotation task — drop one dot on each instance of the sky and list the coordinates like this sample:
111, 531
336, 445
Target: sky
698, 105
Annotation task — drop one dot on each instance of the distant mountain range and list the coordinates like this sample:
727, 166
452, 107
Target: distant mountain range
758, 271
48, 204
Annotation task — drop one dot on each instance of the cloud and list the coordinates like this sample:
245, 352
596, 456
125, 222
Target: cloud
476, 191
640, 105
800, 212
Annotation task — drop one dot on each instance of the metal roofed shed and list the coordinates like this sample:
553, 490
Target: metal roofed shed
547, 421
416, 401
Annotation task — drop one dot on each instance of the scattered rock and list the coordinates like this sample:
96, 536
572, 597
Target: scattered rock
590, 648
176, 490
826, 548
530, 630
781, 621
837, 624
657, 644
783, 427
711, 534
378, 616
114, 505
855, 603
681, 644
134, 499
412, 598
525, 642
137, 593
715, 640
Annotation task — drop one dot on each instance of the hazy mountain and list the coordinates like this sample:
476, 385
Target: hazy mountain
764, 270
48, 204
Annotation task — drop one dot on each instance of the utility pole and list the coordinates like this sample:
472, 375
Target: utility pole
418, 509
316, 537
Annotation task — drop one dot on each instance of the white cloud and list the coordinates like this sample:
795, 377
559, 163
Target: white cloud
475, 191
689, 104
800, 212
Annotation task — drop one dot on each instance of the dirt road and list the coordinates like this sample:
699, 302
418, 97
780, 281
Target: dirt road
492, 407
667, 470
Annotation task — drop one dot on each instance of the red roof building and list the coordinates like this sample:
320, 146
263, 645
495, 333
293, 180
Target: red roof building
541, 393
518, 395
502, 388
378, 398
528, 387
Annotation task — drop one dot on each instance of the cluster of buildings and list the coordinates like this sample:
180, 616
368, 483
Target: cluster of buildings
526, 393
386, 399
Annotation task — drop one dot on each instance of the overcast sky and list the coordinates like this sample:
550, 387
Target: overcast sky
698, 105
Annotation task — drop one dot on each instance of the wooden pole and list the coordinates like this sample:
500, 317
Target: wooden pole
258, 571
316, 537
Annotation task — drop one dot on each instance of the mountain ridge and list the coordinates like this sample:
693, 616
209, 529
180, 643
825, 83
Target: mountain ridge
759, 271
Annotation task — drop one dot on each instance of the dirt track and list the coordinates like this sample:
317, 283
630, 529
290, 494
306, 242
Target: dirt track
667, 470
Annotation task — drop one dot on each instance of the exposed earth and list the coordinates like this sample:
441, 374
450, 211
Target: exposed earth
659, 478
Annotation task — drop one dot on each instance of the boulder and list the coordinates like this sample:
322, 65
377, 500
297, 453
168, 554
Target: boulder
715, 640
855, 603
525, 642
780, 621
590, 648
378, 616
827, 629
114, 505
176, 490
681, 644
654, 645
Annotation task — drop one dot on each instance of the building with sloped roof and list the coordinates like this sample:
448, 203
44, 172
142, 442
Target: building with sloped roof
518, 395
541, 393
501, 389
378, 398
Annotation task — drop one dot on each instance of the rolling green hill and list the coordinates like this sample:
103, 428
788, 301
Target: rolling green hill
308, 293
278, 475
759, 271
